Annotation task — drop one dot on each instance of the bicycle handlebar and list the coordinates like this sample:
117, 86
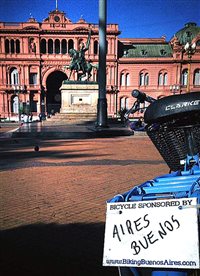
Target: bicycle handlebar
142, 97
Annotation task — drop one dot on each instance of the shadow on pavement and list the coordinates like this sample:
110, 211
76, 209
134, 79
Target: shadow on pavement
54, 250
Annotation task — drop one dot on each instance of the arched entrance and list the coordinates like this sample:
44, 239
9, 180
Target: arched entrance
54, 82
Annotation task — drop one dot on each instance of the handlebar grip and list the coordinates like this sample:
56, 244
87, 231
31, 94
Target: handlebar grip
141, 96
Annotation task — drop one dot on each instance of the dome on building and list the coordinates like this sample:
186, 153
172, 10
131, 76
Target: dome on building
187, 34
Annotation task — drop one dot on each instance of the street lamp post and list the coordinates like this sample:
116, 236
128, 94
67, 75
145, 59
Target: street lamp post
174, 88
190, 49
102, 101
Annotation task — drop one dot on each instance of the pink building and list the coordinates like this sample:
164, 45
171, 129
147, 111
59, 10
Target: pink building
34, 55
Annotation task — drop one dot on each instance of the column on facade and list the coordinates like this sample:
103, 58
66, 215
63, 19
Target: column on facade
23, 75
3, 45
92, 47
8, 104
26, 74
111, 46
39, 102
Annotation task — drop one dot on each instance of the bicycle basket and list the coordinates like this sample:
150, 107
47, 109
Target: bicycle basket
167, 122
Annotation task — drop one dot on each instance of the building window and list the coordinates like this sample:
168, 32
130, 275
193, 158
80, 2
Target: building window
96, 47
70, 44
17, 46
33, 78
122, 79
124, 103
144, 53
64, 46
14, 76
162, 79
50, 46
197, 77
7, 46
127, 80
165, 79
184, 77
12, 46
43, 47
57, 46
163, 52
144, 79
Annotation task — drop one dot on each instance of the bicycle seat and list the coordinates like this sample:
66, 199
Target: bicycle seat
172, 107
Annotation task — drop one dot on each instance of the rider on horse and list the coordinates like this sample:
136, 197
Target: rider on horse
78, 61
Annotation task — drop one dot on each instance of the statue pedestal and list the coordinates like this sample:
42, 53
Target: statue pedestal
79, 97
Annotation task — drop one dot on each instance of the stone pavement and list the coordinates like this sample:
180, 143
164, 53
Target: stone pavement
53, 201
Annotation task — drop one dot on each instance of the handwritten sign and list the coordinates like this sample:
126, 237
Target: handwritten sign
159, 233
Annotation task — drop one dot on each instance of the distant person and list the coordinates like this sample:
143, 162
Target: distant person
26, 118
40, 117
30, 117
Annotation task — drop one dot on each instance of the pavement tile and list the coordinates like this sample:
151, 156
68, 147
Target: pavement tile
53, 202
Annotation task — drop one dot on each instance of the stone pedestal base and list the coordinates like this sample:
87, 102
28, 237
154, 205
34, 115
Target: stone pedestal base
77, 97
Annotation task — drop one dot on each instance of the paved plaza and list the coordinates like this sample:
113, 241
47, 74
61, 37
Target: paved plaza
53, 201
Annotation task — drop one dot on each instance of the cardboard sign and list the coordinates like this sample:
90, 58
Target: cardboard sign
159, 233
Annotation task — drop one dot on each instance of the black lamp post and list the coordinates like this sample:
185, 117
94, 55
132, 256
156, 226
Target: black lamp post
190, 49
102, 101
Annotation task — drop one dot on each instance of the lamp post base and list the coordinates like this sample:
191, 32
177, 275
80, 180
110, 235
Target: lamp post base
101, 113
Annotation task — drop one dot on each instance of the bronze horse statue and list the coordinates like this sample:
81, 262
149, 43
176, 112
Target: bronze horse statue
80, 65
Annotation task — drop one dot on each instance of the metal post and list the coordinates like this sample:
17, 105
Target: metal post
188, 79
102, 101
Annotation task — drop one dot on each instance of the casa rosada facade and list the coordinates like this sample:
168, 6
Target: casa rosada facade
33, 57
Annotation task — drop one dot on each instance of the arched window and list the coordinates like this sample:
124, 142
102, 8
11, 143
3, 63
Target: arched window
17, 46
141, 79
127, 80
7, 46
162, 78
124, 103
184, 77
50, 46
64, 46
122, 79
57, 46
43, 47
14, 76
198, 43
96, 47
144, 79
12, 46
70, 44
196, 77
165, 79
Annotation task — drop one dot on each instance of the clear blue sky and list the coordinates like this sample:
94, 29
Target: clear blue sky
136, 18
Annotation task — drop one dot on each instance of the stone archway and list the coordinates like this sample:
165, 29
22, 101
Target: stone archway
53, 96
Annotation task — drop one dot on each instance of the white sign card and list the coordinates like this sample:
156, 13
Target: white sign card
159, 233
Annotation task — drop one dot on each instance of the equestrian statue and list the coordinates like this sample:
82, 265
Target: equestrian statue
78, 62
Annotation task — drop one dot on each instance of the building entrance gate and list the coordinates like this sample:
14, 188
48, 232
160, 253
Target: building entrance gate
53, 100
